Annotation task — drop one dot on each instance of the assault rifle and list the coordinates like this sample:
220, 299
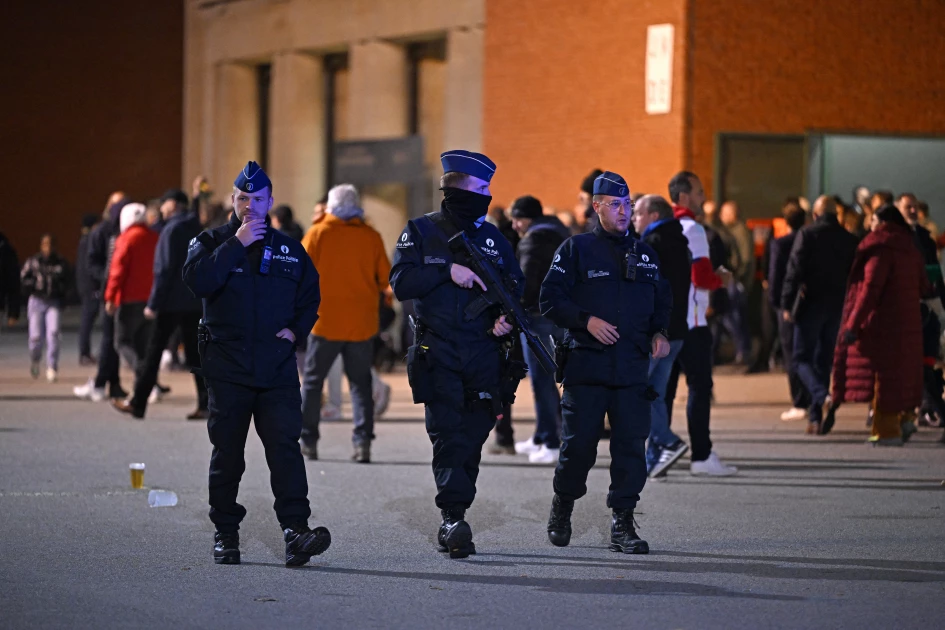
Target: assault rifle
498, 294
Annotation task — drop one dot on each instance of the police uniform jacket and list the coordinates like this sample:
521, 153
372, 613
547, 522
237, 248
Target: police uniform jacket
587, 278
421, 272
243, 309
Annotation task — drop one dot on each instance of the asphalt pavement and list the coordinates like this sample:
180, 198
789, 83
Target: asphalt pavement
813, 532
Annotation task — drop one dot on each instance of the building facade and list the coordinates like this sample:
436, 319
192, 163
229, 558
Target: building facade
283, 81
763, 100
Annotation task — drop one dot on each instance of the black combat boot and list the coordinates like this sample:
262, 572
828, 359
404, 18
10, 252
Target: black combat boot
301, 543
362, 453
226, 548
559, 523
455, 535
623, 536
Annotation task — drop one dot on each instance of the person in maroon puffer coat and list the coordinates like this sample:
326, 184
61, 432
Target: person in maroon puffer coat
878, 356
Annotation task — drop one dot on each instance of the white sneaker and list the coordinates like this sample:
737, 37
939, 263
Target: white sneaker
527, 447
381, 397
712, 467
166, 359
794, 413
156, 395
330, 412
51, 375
544, 455
89, 391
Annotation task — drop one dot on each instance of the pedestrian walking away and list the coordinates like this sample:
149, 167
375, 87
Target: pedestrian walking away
89, 292
812, 299
879, 349
654, 220
130, 276
171, 306
101, 249
456, 366
353, 272
260, 296
780, 252
605, 289
541, 235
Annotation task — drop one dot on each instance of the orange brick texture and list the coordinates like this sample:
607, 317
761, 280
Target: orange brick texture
564, 82
564, 94
792, 66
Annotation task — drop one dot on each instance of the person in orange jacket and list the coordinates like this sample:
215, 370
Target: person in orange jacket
353, 269
130, 276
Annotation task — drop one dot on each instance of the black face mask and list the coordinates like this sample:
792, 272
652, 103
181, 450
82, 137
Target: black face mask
465, 207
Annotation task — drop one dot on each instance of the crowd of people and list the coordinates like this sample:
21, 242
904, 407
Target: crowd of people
128, 278
634, 292
816, 290
818, 286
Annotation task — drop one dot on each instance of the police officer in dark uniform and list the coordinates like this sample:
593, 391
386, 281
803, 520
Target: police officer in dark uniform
605, 289
260, 295
456, 366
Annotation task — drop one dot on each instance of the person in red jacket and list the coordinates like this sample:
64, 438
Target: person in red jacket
129, 284
878, 356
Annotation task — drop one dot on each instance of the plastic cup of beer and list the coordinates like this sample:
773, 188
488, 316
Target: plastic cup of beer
137, 475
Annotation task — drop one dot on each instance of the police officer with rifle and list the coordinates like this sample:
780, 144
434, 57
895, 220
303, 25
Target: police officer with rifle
466, 284
605, 289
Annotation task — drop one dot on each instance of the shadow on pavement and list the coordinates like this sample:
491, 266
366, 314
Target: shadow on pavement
858, 570
606, 586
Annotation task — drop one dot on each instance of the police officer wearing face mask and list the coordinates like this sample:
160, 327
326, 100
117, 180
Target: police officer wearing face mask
456, 365
605, 289
260, 295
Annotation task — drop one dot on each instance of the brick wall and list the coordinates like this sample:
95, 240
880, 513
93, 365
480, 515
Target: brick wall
788, 66
92, 103
564, 93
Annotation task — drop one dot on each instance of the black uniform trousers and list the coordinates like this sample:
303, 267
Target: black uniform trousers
582, 413
164, 327
458, 426
277, 414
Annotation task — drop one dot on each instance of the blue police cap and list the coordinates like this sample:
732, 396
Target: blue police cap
608, 183
252, 178
475, 164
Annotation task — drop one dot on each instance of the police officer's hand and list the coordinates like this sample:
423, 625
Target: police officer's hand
148, 313
602, 331
285, 333
501, 327
786, 316
250, 231
660, 346
464, 277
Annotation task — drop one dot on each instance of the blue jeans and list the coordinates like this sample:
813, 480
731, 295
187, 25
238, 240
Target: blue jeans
815, 335
660, 434
547, 398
